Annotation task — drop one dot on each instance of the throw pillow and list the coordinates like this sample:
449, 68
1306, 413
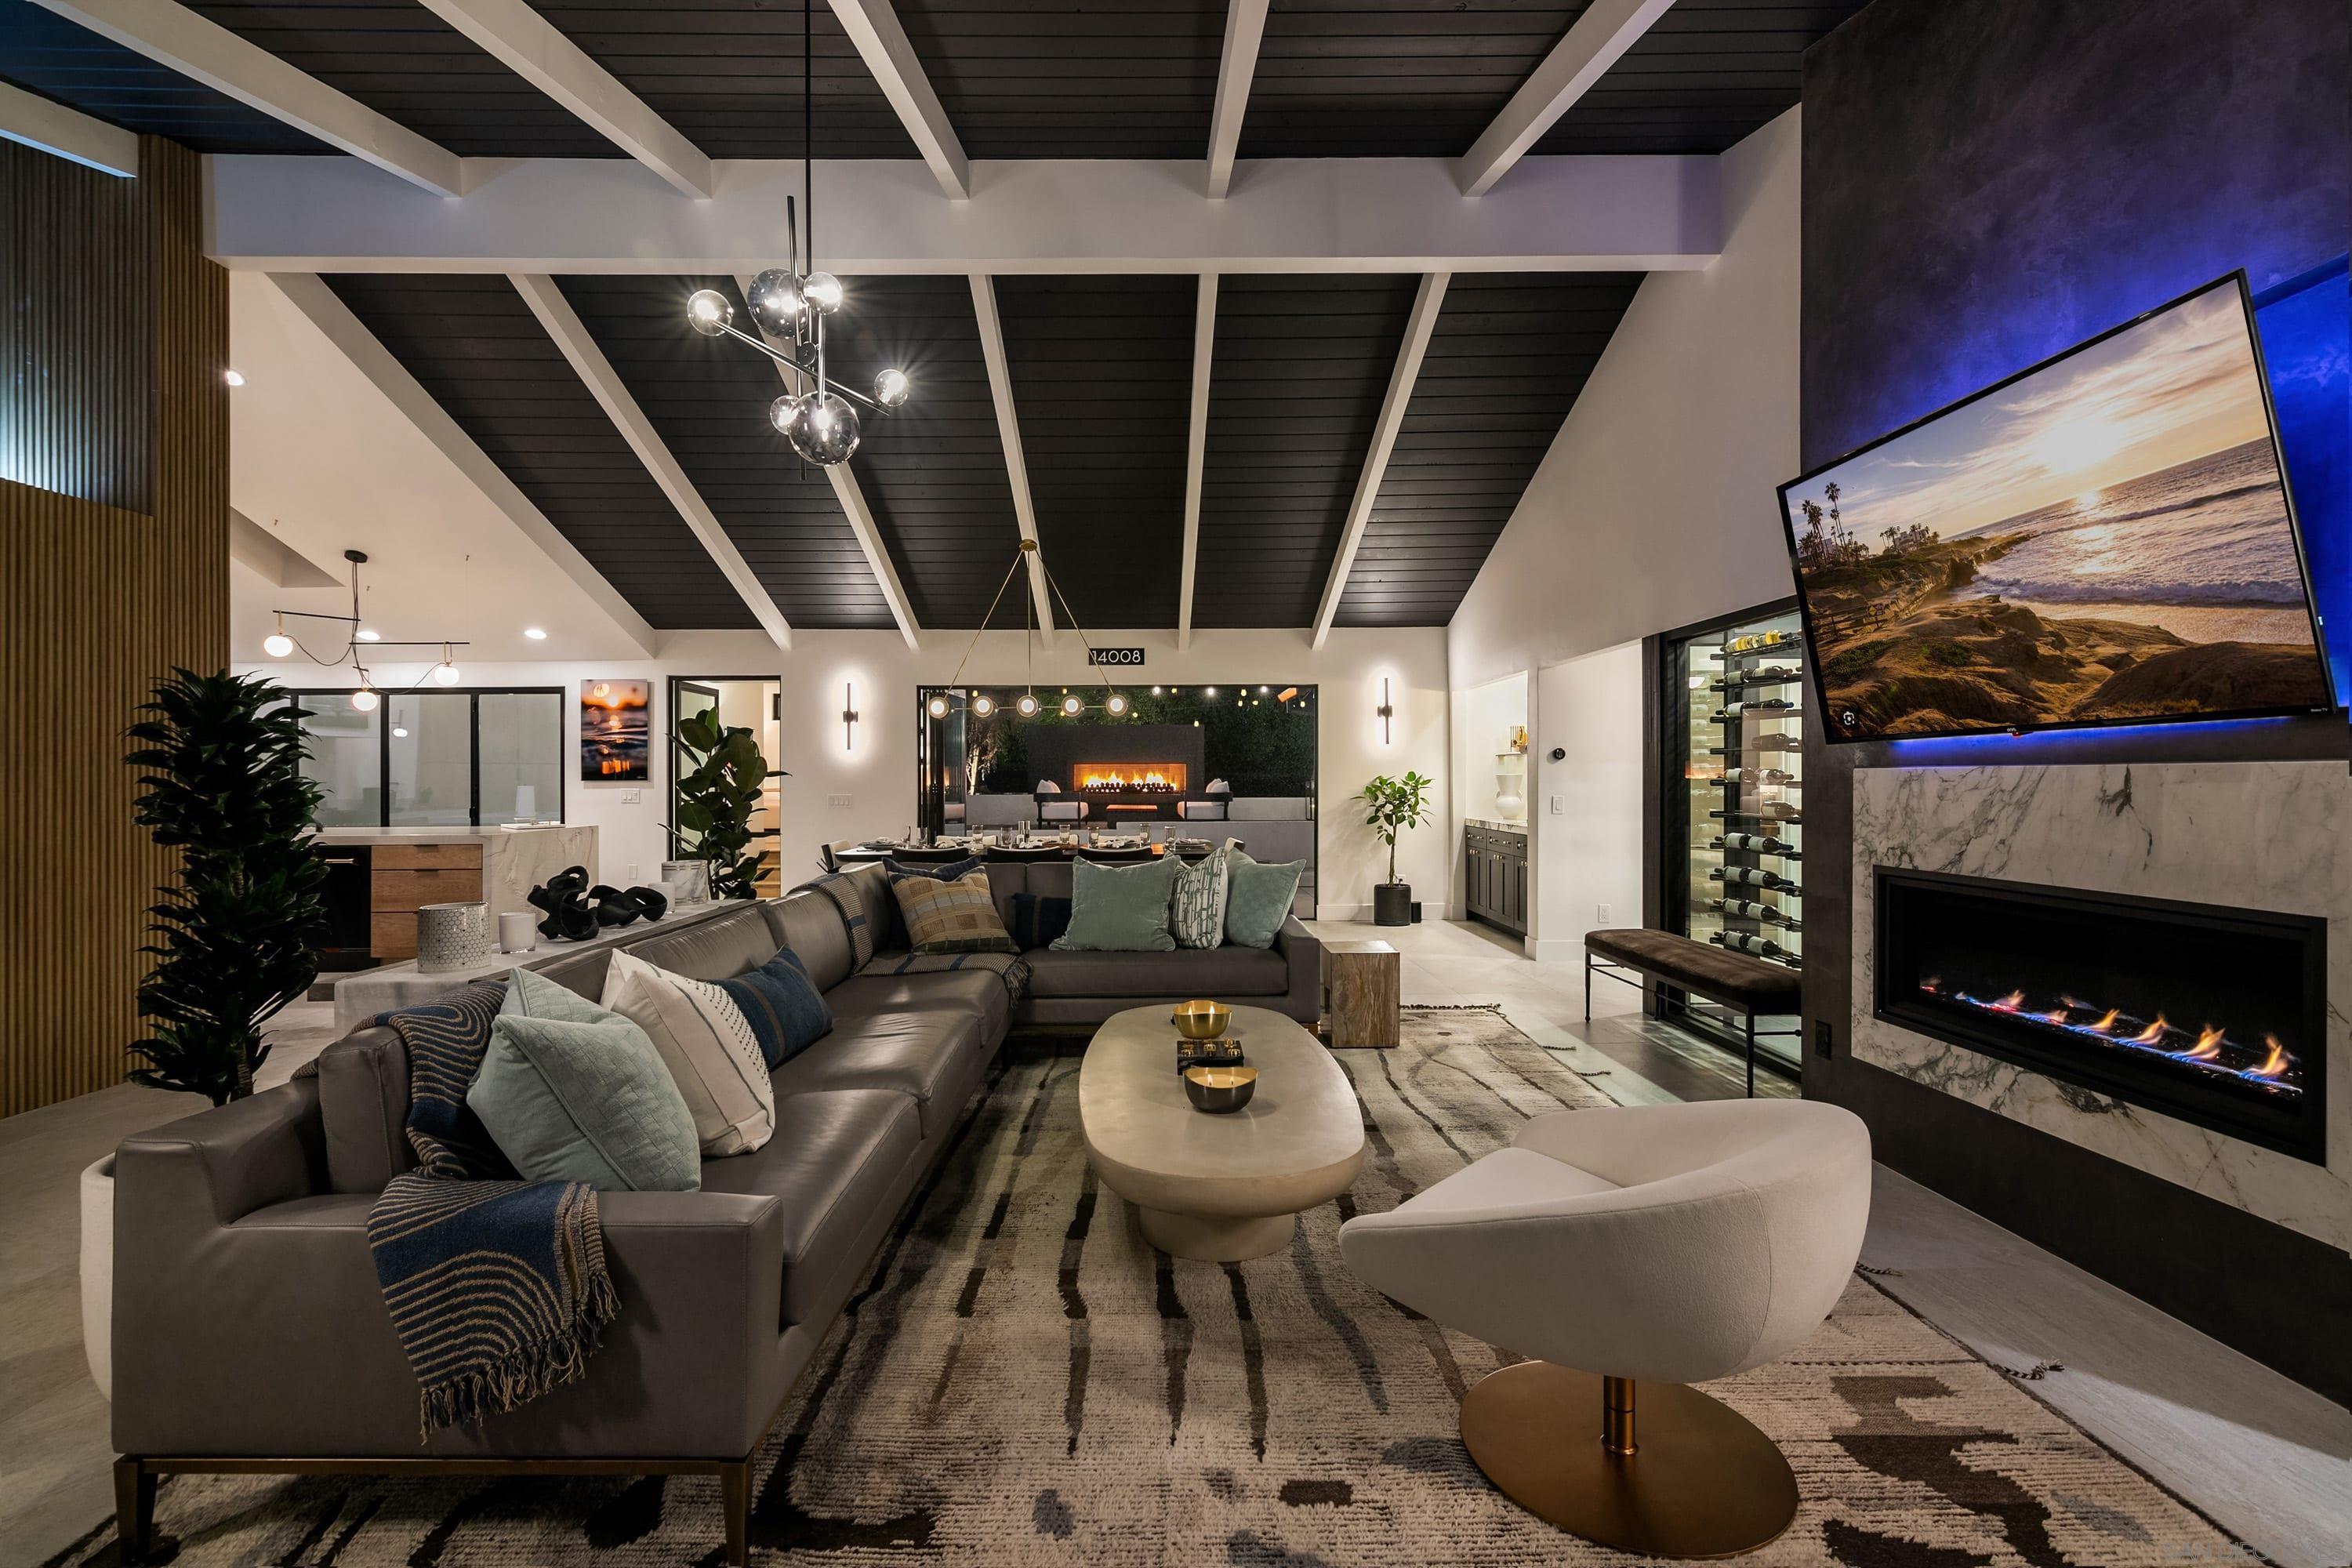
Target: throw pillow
897, 936
958, 916
1198, 914
572, 1101
785, 1010
534, 995
1257, 900
1038, 919
1120, 909
709, 1046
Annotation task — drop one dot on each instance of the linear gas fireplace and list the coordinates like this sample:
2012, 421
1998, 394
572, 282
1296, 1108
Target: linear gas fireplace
2216, 1015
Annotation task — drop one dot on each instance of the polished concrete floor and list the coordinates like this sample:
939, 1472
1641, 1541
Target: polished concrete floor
2268, 1460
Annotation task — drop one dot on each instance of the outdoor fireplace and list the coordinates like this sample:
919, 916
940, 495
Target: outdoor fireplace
1128, 778
2213, 1015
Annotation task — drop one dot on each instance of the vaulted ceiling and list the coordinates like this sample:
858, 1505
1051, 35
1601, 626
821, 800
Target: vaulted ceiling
1287, 442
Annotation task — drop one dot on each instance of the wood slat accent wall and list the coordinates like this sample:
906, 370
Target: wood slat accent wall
97, 601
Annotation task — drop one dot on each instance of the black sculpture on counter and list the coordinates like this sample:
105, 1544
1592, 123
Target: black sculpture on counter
576, 911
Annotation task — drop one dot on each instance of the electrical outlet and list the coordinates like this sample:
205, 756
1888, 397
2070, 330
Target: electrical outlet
633, 798
1560, 806
838, 802
1822, 1038
636, 876
1601, 912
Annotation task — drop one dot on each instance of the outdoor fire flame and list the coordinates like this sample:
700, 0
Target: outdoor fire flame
2206, 1049
1132, 778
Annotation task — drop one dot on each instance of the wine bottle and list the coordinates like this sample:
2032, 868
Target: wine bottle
1752, 877
1748, 908
1754, 843
1760, 776
1772, 674
1749, 941
1731, 711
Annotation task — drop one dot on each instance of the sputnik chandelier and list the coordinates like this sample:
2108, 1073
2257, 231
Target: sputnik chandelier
982, 705
280, 644
789, 307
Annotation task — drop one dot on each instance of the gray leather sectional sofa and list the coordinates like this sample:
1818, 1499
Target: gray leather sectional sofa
249, 1333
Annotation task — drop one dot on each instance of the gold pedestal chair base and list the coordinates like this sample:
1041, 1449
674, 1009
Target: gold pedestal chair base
1697, 1479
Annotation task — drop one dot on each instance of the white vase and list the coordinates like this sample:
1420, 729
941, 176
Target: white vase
693, 876
97, 1272
1510, 803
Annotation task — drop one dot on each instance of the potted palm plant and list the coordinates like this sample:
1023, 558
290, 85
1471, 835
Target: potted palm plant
1392, 807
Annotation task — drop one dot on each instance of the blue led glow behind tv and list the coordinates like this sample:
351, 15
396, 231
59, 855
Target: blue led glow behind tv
2306, 331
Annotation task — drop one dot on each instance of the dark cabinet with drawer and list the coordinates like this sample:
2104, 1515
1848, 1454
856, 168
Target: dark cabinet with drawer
1495, 865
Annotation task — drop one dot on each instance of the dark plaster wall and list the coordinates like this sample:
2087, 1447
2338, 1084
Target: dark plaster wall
1986, 181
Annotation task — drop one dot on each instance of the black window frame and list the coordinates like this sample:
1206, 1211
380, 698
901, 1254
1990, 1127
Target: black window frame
311, 698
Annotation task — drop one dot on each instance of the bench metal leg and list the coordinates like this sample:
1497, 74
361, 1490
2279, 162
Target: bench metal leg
1588, 987
1751, 1054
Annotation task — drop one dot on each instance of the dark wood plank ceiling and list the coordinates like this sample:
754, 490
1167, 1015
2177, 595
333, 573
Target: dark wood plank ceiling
406, 63
1505, 363
1704, 76
474, 345
1385, 78
933, 473
43, 53
1294, 389
708, 400
1102, 381
726, 74
1072, 78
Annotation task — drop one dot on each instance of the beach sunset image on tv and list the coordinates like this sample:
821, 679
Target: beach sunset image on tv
2104, 540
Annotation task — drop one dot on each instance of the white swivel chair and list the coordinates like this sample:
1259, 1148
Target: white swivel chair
1658, 1246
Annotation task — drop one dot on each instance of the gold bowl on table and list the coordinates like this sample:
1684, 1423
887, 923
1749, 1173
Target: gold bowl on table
1220, 1089
1201, 1020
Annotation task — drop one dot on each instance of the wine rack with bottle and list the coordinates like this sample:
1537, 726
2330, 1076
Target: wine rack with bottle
1742, 698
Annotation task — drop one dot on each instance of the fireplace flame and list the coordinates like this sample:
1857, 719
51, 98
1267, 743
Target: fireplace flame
2104, 1025
2213, 1050
2208, 1046
2010, 1002
2153, 1033
1130, 776
2055, 1016
2277, 1062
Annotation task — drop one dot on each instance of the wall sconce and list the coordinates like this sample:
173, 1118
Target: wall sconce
849, 717
1386, 712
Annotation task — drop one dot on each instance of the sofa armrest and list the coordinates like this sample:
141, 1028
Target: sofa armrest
1304, 954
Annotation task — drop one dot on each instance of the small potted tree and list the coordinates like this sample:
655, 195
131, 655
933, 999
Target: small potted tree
1390, 807
720, 772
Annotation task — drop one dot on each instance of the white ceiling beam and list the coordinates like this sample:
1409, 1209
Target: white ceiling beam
1594, 43
1196, 449
873, 26
173, 36
1244, 30
66, 133
884, 216
327, 312
1427, 300
571, 334
1008, 430
852, 496
527, 44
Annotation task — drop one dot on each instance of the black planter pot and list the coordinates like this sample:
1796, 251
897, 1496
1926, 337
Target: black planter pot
1392, 904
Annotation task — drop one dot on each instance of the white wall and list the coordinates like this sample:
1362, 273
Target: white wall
1655, 505
876, 771
1591, 854
1483, 719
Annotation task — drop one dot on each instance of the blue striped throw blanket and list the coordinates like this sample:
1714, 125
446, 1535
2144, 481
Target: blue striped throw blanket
497, 1287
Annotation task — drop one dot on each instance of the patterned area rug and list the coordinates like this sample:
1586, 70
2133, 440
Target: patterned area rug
1025, 1382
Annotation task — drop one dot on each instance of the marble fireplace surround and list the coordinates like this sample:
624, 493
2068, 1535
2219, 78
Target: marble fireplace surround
2266, 836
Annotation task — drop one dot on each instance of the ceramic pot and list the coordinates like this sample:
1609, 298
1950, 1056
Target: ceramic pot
692, 878
1392, 904
518, 932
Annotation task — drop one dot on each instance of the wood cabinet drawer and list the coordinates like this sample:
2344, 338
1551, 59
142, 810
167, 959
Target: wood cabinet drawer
427, 856
392, 935
392, 892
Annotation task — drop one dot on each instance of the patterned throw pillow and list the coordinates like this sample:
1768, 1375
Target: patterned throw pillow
709, 1046
1198, 914
897, 936
951, 917
785, 1010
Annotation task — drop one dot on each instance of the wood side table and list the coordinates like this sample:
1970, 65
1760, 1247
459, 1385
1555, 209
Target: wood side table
1362, 982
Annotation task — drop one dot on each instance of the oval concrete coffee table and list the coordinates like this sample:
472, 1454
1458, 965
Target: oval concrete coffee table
1219, 1188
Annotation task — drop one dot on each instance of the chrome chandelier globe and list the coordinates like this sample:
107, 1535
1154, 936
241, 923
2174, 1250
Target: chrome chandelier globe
789, 307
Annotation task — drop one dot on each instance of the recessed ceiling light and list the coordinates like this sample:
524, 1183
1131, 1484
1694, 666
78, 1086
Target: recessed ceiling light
534, 634
231, 377
364, 635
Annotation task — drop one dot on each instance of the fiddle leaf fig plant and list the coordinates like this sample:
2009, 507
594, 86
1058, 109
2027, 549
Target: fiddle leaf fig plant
235, 938
719, 774
1392, 807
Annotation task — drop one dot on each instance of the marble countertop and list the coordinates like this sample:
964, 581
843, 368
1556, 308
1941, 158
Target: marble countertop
1493, 825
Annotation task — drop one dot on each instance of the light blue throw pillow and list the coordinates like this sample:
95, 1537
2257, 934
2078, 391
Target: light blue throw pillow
1120, 909
1257, 900
571, 1092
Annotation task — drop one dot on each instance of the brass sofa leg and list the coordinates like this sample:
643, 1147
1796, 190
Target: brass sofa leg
735, 1498
134, 1509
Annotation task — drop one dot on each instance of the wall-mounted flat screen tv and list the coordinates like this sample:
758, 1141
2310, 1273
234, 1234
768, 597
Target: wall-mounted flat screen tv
2105, 538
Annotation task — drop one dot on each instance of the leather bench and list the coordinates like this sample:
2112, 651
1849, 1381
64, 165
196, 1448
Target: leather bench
1747, 985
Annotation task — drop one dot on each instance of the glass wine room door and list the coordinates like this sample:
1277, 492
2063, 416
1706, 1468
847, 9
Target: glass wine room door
1734, 821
